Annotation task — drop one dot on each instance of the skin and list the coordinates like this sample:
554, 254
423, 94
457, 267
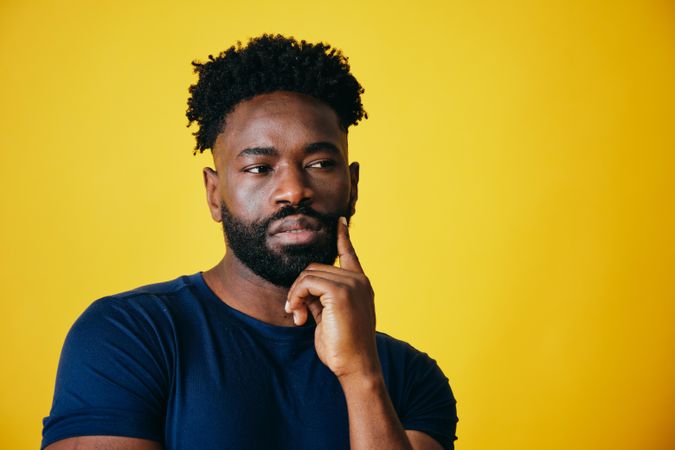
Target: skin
340, 299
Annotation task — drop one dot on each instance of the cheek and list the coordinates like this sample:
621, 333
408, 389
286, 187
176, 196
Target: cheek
245, 200
335, 193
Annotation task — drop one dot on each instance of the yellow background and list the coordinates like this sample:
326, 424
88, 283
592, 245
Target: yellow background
516, 210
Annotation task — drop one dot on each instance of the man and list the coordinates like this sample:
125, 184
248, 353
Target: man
274, 347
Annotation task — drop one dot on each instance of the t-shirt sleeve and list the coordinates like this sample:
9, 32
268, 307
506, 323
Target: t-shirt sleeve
429, 405
112, 376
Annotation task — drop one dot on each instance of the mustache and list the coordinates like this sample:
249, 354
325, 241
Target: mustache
289, 210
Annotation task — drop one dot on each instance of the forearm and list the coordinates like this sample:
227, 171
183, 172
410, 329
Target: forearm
373, 422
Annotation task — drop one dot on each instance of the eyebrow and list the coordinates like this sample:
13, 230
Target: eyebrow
258, 151
319, 146
271, 151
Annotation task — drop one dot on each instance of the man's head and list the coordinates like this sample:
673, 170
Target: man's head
275, 114
271, 63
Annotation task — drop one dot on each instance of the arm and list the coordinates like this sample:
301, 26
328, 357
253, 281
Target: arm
104, 443
373, 422
341, 302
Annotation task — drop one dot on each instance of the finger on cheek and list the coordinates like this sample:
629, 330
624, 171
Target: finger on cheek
347, 255
344, 228
343, 237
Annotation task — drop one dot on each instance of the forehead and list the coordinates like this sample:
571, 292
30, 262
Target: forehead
283, 120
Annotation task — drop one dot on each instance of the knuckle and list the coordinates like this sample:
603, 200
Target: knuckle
309, 277
304, 277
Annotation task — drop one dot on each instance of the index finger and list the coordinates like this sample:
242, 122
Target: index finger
346, 253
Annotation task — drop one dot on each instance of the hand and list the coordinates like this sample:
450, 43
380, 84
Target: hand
341, 302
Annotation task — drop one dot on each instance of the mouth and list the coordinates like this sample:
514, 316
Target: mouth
296, 230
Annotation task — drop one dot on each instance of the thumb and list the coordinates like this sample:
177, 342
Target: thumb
346, 253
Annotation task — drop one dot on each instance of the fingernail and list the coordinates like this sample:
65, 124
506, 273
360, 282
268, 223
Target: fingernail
286, 306
343, 219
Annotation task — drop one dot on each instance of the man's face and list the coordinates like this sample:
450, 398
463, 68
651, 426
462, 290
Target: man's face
282, 182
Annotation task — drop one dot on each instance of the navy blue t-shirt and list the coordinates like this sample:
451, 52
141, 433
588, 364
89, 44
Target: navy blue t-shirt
172, 363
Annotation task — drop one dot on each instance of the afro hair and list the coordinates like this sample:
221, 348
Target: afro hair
269, 63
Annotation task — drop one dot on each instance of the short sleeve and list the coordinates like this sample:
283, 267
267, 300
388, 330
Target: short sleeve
428, 403
112, 376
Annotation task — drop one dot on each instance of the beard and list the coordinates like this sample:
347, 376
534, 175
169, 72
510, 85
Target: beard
248, 242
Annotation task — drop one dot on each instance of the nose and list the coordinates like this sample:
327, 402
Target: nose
292, 187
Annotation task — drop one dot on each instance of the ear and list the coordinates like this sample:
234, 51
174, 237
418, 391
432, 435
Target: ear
354, 192
212, 192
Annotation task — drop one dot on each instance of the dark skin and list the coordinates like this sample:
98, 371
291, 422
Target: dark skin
305, 161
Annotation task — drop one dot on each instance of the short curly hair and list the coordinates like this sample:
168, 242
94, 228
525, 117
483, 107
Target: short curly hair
269, 63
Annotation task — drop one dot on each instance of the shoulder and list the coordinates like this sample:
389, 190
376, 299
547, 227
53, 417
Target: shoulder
150, 301
402, 354
128, 337
391, 347
153, 292
404, 366
145, 316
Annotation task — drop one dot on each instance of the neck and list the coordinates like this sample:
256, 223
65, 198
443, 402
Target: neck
237, 286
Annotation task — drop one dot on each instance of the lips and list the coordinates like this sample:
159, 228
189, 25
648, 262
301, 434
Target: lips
296, 229
295, 224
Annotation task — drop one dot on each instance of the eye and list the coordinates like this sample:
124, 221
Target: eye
257, 169
322, 164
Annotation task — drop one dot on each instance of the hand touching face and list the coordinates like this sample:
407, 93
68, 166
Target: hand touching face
341, 300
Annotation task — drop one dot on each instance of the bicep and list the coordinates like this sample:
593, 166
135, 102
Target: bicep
422, 441
104, 443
